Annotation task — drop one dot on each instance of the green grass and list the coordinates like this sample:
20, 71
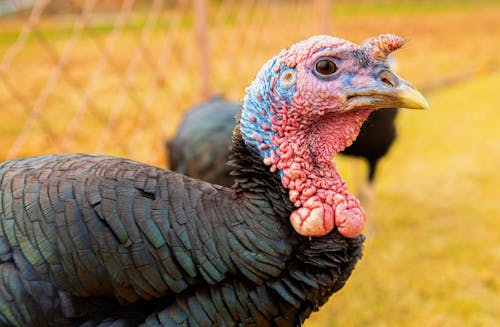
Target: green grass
391, 8
61, 27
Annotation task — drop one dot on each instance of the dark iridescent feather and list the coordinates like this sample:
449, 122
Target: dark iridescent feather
101, 250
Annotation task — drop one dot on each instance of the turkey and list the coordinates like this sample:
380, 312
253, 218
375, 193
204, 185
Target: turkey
93, 240
203, 141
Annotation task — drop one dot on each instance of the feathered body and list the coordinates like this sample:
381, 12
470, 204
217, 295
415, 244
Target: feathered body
114, 234
94, 240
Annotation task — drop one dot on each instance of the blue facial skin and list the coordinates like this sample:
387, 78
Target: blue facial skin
256, 115
257, 110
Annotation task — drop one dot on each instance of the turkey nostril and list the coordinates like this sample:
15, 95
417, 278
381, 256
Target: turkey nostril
388, 79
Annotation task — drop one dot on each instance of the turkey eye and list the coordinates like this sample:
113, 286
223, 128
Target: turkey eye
325, 67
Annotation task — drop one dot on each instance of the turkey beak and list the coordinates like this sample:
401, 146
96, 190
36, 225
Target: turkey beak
390, 91
407, 96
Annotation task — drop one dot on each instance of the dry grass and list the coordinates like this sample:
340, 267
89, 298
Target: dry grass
433, 253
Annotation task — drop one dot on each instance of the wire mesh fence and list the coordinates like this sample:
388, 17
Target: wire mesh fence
115, 76
96, 76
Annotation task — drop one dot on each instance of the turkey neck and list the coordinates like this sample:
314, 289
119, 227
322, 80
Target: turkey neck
317, 267
255, 181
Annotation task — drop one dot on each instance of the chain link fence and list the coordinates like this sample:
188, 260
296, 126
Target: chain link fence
115, 76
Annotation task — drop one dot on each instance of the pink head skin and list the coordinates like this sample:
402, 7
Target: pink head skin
321, 92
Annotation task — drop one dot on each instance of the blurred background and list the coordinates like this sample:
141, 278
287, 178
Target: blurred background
115, 77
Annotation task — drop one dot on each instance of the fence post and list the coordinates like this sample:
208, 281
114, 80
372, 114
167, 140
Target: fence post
324, 8
201, 17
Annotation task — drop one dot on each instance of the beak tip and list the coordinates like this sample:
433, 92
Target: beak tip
411, 98
424, 105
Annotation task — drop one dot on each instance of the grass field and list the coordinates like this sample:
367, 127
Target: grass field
432, 256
